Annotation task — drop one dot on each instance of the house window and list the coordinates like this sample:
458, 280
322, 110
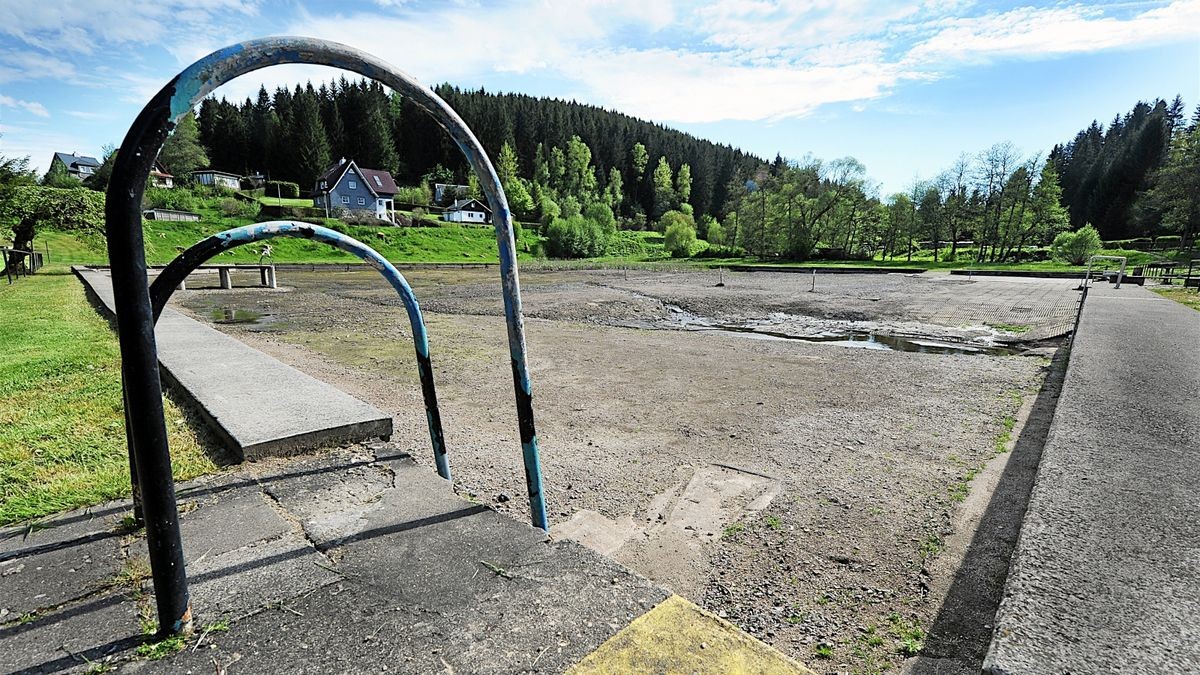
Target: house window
345, 199
353, 185
362, 200
378, 183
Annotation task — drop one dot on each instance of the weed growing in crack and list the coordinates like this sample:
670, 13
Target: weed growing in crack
910, 637
163, 648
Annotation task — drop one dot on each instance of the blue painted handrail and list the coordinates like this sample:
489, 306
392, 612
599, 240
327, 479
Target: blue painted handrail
201, 252
135, 314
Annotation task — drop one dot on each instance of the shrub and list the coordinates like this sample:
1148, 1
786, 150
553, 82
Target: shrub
1076, 247
177, 199
715, 234
602, 215
362, 218
625, 244
282, 188
415, 195
235, 208
575, 237
679, 239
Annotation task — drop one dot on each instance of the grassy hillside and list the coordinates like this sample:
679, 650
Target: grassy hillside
165, 240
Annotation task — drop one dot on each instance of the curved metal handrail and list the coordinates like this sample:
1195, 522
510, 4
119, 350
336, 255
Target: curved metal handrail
135, 315
185, 263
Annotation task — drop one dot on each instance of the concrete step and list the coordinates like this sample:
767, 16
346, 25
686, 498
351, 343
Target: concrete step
353, 560
257, 405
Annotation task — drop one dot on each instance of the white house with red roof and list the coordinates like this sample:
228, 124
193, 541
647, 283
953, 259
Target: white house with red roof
347, 186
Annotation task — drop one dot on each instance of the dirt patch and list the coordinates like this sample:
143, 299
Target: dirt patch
802, 490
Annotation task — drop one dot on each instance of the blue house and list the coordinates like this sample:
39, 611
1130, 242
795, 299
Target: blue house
347, 187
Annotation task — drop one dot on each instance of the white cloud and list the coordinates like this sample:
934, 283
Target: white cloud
30, 65
85, 27
731, 59
668, 60
31, 107
1030, 32
689, 87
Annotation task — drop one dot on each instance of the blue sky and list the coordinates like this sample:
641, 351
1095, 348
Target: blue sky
904, 86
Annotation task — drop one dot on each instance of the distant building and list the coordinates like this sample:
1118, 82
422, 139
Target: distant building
79, 167
217, 178
346, 186
159, 176
446, 193
468, 211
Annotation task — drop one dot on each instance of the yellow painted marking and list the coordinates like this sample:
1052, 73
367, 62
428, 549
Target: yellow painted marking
679, 637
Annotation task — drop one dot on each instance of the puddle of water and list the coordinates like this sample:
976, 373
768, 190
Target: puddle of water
856, 339
876, 341
232, 315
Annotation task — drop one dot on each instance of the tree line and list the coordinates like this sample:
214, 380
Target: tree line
295, 134
1140, 177
584, 174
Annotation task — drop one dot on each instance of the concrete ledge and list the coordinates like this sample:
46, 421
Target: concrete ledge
1106, 575
255, 404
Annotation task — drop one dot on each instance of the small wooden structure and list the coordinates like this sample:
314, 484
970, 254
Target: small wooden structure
170, 214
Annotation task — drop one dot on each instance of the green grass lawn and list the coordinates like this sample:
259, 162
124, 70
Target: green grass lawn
62, 437
164, 240
1189, 296
285, 201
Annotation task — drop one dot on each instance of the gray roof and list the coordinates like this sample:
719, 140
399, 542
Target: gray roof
465, 205
76, 160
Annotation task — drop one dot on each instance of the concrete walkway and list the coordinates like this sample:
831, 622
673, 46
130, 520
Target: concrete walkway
1106, 576
257, 405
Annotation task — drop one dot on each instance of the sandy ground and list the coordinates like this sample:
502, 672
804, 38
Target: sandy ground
815, 494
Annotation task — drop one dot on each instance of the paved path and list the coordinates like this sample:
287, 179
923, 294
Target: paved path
1106, 576
257, 405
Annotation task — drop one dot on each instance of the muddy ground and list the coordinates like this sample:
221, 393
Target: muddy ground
821, 495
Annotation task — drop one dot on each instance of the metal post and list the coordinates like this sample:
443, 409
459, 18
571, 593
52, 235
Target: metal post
226, 278
1078, 315
139, 365
814, 281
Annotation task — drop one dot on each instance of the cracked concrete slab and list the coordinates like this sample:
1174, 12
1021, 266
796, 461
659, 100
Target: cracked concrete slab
72, 640
348, 561
56, 560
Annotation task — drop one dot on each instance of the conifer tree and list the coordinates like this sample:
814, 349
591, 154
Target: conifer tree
182, 152
311, 148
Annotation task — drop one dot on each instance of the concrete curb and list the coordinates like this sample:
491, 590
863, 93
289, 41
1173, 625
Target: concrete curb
257, 405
